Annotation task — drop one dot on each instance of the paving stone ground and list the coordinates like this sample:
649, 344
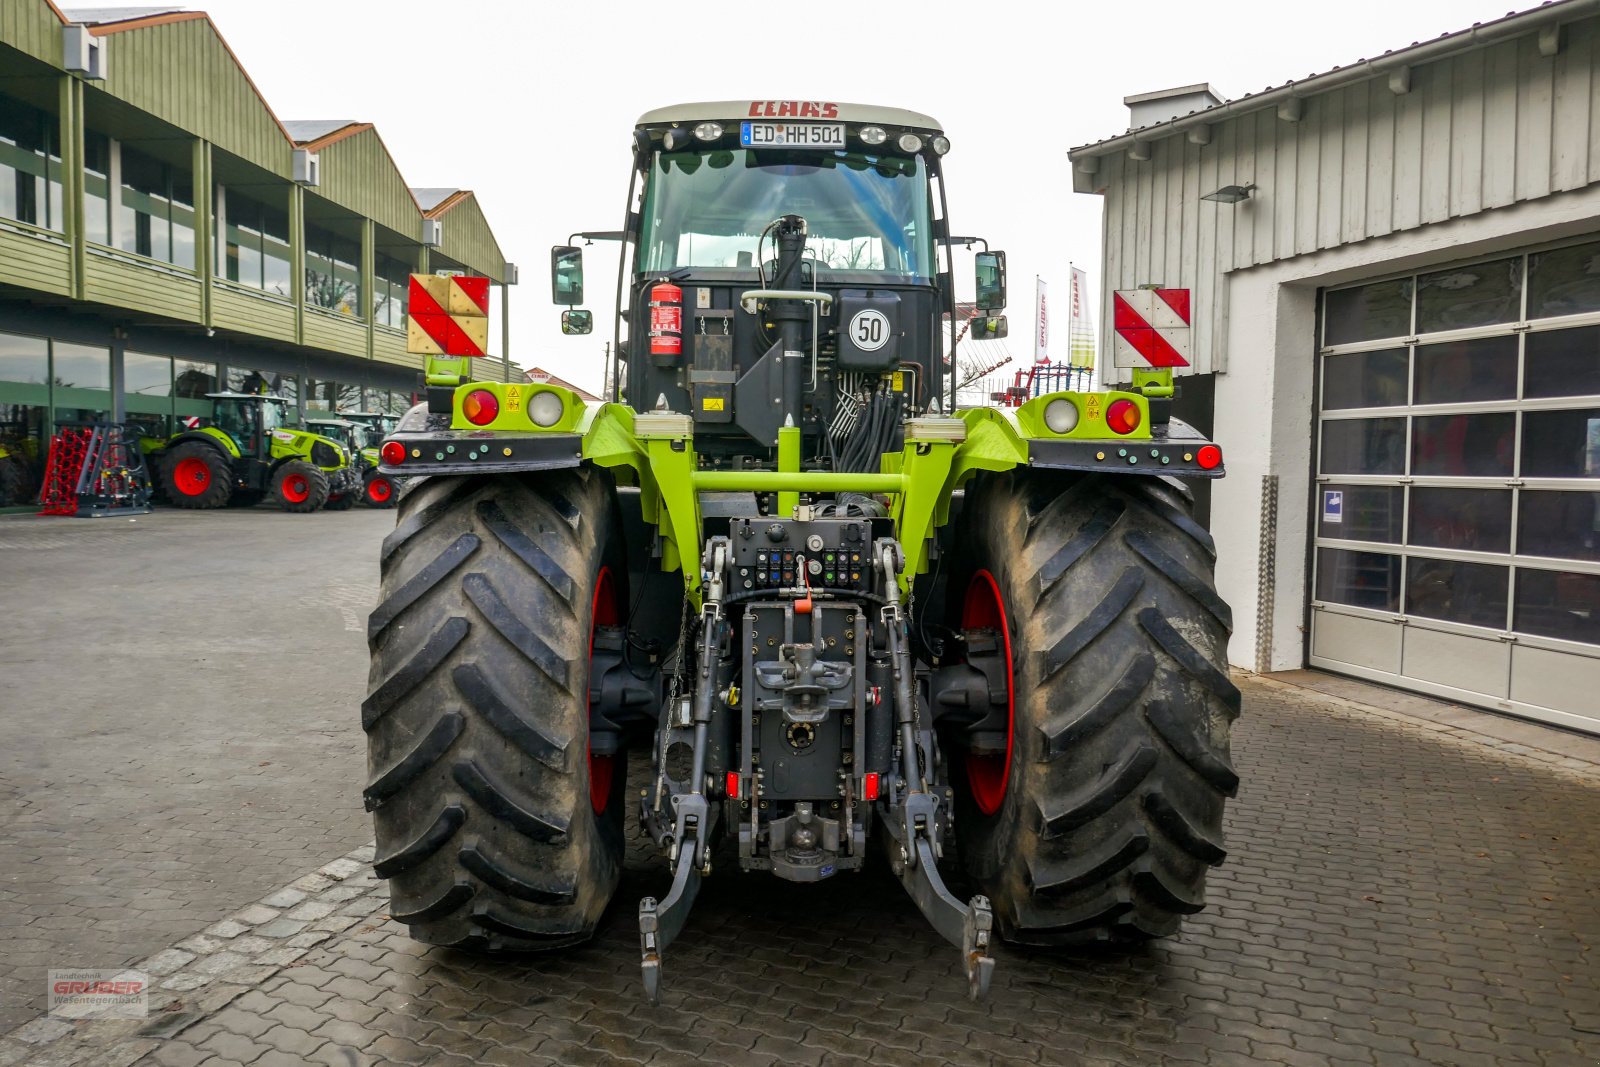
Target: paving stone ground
1395, 893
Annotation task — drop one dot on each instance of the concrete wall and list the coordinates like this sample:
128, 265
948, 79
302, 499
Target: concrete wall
1264, 401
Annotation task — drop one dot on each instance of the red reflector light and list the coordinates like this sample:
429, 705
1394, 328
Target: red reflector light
869, 786
733, 784
1122, 416
480, 407
1209, 457
393, 452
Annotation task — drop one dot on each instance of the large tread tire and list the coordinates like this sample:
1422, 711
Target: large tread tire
300, 487
1119, 761
478, 715
196, 475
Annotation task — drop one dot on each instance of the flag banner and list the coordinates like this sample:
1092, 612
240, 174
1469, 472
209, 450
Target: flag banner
1080, 328
1041, 330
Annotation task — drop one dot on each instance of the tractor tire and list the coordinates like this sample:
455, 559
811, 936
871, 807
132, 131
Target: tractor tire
13, 483
340, 502
379, 490
1100, 821
300, 487
495, 826
196, 475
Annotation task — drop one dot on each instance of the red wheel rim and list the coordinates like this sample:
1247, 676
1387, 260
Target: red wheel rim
603, 612
191, 476
296, 490
379, 490
983, 610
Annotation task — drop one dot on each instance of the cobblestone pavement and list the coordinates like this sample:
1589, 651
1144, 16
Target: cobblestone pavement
1396, 893
176, 713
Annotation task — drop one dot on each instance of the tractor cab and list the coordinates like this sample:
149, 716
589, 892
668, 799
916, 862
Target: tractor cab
248, 420
381, 423
787, 263
352, 436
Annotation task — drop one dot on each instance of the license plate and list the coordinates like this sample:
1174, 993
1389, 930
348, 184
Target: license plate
791, 134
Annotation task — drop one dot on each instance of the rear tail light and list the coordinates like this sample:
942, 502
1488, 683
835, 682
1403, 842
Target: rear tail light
1123, 416
869, 786
481, 407
733, 785
393, 452
1209, 457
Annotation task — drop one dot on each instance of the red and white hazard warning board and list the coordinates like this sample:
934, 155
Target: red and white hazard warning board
448, 316
1152, 327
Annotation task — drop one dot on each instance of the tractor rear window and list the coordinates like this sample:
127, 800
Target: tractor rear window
863, 213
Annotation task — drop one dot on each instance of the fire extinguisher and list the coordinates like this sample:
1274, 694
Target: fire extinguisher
666, 321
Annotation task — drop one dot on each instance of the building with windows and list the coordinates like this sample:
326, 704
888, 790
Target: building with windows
1395, 269
163, 234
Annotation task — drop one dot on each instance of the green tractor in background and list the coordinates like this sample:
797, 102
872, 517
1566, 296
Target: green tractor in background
378, 490
247, 454
352, 437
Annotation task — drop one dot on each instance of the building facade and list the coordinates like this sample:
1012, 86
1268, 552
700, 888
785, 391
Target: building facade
163, 234
1396, 276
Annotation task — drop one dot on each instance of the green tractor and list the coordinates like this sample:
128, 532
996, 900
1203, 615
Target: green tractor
378, 490
352, 437
246, 454
838, 613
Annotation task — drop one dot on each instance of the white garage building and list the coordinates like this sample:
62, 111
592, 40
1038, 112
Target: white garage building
1397, 310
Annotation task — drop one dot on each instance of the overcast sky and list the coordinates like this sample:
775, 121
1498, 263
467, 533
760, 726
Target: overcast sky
532, 104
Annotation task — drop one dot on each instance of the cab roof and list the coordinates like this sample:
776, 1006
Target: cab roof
818, 110
230, 395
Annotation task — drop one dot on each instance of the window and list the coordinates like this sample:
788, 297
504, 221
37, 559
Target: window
1562, 362
253, 242
391, 281
80, 366
192, 381
1470, 593
144, 375
1361, 579
1367, 312
96, 188
24, 359
333, 272
1366, 379
325, 395
709, 208
1364, 446
1564, 281
249, 380
1478, 295
30, 165
155, 209
1457, 372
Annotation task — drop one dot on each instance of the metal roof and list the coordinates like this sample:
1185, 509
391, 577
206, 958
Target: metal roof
733, 110
97, 16
428, 199
1390, 62
303, 130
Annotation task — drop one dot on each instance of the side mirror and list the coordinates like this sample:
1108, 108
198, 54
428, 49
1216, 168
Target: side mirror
577, 321
991, 271
989, 328
566, 275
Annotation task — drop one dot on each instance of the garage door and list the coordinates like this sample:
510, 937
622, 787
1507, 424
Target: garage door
1457, 500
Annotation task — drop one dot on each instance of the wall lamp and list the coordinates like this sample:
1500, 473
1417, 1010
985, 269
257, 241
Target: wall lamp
1231, 194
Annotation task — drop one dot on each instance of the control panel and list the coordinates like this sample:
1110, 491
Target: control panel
834, 554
